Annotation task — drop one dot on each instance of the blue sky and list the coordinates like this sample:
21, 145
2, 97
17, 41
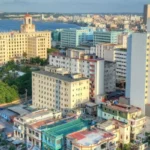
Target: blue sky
71, 6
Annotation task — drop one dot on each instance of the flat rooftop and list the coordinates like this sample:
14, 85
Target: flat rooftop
67, 128
66, 77
123, 107
8, 113
90, 137
19, 109
109, 123
40, 123
57, 123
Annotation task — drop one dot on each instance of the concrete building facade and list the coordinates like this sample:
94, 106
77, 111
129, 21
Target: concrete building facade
33, 43
146, 13
105, 37
74, 37
124, 113
114, 53
56, 89
88, 65
138, 70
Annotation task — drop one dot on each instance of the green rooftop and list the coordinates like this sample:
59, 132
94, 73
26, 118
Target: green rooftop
64, 129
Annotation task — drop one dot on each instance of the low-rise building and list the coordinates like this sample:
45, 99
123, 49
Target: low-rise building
21, 122
55, 137
124, 113
90, 139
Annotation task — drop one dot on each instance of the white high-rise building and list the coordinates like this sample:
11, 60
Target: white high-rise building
138, 70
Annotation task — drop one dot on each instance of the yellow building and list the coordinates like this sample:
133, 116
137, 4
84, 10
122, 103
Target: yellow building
14, 45
54, 88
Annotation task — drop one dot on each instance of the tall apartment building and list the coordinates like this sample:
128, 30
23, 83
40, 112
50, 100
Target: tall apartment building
146, 13
88, 65
74, 37
113, 53
76, 61
54, 88
138, 70
34, 43
106, 37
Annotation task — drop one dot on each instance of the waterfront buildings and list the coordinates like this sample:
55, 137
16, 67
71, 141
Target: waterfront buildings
55, 88
106, 37
74, 37
137, 81
27, 43
146, 13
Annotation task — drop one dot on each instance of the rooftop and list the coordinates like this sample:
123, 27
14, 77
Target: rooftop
90, 137
112, 122
66, 77
8, 113
67, 128
122, 107
40, 123
57, 123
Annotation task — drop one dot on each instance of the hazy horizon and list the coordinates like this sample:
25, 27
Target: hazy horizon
73, 6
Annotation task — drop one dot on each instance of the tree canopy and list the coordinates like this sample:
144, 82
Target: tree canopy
7, 93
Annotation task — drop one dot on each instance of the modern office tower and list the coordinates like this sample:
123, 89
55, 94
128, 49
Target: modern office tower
146, 13
77, 62
138, 70
74, 37
34, 43
54, 88
106, 37
114, 53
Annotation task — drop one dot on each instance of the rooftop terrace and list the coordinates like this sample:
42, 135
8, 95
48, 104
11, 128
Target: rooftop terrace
66, 77
90, 137
122, 107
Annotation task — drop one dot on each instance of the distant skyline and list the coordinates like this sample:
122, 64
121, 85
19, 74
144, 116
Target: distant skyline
73, 6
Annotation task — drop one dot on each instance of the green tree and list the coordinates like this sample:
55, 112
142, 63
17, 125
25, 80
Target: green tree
127, 146
52, 50
12, 147
7, 93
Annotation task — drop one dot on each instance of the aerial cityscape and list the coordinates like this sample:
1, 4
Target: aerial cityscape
74, 75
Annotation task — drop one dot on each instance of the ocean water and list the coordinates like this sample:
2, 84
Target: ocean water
11, 25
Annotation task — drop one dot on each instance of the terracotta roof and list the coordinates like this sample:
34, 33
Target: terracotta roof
27, 15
